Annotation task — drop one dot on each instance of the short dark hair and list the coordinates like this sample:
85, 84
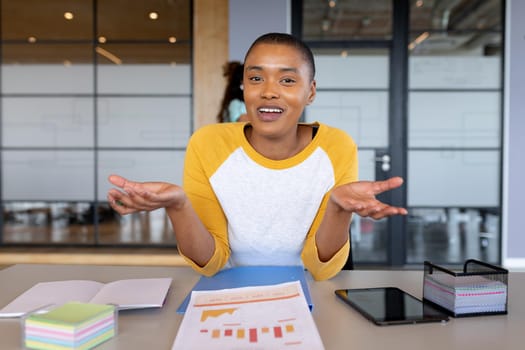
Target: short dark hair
288, 40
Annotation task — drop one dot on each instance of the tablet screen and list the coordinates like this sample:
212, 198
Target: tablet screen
390, 305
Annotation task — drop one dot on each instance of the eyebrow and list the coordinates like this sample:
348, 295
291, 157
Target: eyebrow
284, 69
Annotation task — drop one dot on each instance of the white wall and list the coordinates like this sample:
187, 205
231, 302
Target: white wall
251, 18
514, 163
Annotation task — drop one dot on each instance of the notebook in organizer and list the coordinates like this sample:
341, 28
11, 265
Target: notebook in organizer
246, 276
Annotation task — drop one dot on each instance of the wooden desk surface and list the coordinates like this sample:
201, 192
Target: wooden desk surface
340, 326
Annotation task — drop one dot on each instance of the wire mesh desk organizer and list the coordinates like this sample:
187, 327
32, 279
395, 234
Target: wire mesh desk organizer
481, 289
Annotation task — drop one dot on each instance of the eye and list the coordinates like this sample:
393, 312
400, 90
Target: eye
288, 81
255, 79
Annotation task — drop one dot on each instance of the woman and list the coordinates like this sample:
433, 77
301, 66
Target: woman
271, 191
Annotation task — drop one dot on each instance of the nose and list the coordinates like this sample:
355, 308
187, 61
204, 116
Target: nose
269, 91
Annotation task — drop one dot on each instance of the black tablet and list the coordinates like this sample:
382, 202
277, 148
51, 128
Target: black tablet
390, 306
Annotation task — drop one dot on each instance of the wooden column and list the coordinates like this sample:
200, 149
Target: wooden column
210, 52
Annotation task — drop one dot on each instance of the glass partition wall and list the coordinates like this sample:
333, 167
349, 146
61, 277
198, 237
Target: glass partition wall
90, 88
455, 95
417, 84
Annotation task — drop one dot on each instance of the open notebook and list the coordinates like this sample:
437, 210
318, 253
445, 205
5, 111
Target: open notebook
126, 294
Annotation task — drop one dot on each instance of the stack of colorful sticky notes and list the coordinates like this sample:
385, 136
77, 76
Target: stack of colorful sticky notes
70, 326
462, 295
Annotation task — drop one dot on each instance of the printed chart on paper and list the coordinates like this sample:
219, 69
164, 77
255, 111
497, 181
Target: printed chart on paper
264, 317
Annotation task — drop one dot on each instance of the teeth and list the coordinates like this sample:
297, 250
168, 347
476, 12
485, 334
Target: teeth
270, 110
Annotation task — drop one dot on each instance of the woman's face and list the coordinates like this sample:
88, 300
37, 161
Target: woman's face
277, 87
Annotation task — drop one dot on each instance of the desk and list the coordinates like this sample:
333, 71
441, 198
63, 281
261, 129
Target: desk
340, 326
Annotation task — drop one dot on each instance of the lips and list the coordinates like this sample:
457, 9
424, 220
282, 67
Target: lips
269, 114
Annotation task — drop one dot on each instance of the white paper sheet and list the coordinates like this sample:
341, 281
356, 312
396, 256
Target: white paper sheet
263, 317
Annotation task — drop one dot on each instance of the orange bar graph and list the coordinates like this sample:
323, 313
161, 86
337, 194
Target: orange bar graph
253, 334
240, 333
216, 333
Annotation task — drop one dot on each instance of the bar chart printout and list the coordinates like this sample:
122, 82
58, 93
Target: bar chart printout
263, 317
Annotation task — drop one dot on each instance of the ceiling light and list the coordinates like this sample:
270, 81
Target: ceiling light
31, 39
331, 3
68, 15
419, 3
102, 39
172, 39
418, 40
153, 15
422, 37
113, 58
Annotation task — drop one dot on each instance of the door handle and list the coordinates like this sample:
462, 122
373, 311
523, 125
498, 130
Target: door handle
385, 162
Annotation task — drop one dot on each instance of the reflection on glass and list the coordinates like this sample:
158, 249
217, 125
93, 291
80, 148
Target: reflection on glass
439, 26
71, 78
140, 53
45, 20
135, 22
48, 222
347, 20
63, 54
454, 136
73, 223
138, 228
369, 239
452, 235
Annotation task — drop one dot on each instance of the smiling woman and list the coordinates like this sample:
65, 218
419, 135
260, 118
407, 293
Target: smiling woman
270, 191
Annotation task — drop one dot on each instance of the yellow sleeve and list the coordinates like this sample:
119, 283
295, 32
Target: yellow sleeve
343, 153
203, 155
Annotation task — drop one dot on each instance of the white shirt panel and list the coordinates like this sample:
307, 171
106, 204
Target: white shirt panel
270, 211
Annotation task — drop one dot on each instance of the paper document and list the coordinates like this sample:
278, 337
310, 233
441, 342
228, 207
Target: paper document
126, 294
250, 276
262, 317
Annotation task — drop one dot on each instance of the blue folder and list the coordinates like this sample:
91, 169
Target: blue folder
247, 276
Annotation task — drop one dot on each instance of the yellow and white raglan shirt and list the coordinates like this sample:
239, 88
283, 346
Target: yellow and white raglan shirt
262, 211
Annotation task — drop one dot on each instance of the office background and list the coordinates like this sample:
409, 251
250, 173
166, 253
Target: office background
440, 116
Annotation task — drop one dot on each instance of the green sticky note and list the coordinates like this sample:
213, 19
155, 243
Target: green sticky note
72, 314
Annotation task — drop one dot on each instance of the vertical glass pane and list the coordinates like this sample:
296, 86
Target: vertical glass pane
454, 136
47, 122
363, 115
144, 122
347, 19
161, 78
154, 165
358, 104
446, 178
47, 68
455, 119
140, 228
48, 175
74, 83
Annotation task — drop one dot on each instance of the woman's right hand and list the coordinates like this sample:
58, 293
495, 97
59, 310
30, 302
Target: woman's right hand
132, 197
